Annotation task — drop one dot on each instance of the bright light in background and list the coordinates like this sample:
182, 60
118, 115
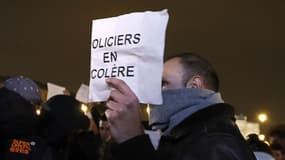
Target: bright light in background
267, 142
38, 111
84, 108
261, 137
148, 110
262, 117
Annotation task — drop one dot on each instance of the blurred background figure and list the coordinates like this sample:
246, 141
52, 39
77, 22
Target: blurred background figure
278, 151
95, 117
61, 123
19, 139
260, 149
104, 133
277, 141
277, 135
104, 130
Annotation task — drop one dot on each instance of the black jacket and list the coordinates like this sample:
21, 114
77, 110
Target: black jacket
18, 129
209, 134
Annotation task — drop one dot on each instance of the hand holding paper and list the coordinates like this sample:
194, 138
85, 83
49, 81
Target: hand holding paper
129, 47
124, 111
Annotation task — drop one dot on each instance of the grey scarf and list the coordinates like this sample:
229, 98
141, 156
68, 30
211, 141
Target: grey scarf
179, 104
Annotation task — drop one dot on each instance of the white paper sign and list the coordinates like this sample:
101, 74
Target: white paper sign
54, 90
129, 47
82, 94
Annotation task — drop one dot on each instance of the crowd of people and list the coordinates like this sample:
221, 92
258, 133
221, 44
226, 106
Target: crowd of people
60, 132
194, 122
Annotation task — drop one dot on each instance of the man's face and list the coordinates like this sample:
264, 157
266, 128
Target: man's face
104, 130
172, 74
278, 155
277, 139
274, 140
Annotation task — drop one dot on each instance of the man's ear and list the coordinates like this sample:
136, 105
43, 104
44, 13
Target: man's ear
195, 82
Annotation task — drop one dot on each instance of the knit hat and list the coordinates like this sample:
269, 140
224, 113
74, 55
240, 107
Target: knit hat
26, 87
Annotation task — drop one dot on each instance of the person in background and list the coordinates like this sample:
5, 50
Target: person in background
195, 122
103, 132
95, 118
278, 151
19, 138
260, 149
277, 135
19, 123
277, 141
62, 125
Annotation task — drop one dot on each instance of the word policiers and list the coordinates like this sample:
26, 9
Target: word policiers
117, 40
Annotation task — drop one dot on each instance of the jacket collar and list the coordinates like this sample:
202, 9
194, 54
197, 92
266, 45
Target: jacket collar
195, 124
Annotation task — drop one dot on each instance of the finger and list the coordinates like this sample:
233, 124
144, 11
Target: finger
117, 96
110, 114
114, 106
112, 117
120, 85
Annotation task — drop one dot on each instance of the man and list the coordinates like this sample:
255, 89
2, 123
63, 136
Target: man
195, 122
277, 141
278, 151
18, 129
104, 130
61, 124
277, 135
105, 135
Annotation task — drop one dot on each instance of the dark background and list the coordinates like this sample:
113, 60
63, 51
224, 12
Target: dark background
244, 39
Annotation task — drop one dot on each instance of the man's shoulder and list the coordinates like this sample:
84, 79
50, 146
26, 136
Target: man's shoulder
214, 123
225, 146
206, 120
203, 145
210, 114
215, 110
211, 138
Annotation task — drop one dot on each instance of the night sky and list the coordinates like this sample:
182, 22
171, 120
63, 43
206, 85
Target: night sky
244, 39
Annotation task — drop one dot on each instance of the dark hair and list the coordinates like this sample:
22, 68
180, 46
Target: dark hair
278, 131
277, 147
98, 112
257, 145
62, 118
194, 64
